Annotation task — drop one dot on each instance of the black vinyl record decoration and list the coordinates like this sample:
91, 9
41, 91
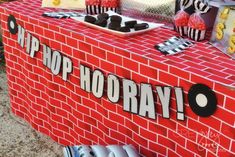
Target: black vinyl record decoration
202, 100
12, 25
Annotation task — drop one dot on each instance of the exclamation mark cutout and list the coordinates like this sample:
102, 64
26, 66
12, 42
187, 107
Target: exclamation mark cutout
180, 103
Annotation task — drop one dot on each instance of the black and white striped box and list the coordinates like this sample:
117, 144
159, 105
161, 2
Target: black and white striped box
196, 34
183, 30
93, 9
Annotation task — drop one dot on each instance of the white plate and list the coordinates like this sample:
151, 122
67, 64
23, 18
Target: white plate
124, 19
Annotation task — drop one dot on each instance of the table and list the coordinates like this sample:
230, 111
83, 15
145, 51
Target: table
57, 106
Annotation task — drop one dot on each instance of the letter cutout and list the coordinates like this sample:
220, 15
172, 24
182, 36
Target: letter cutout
28, 43
164, 97
98, 84
47, 56
56, 62
67, 68
147, 107
129, 96
180, 103
35, 46
21, 35
85, 78
113, 89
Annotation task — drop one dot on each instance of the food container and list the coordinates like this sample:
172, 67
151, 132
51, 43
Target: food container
107, 5
93, 7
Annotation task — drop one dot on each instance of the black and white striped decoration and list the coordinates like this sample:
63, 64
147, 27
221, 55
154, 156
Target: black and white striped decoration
173, 46
196, 35
105, 9
60, 15
96, 9
201, 7
184, 4
93, 9
183, 30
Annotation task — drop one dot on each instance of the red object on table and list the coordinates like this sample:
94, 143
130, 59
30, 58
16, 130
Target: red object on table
110, 3
181, 22
93, 2
196, 22
71, 116
181, 19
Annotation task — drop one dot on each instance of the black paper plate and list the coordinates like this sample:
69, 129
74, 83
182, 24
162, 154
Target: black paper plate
12, 25
202, 108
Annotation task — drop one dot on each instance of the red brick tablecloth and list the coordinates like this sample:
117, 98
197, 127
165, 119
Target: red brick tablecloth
71, 116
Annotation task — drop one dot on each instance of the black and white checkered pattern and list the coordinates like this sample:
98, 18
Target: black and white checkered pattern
173, 46
60, 15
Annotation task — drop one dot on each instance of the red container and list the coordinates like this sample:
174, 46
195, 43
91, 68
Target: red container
197, 27
107, 5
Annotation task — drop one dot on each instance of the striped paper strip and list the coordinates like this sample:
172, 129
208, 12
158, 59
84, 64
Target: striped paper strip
173, 46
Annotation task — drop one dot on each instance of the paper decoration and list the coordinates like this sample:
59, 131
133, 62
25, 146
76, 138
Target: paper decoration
223, 35
136, 100
60, 15
114, 92
173, 46
196, 24
65, 4
12, 25
164, 94
98, 83
202, 100
179, 93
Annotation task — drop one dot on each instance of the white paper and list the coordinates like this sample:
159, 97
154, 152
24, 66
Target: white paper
65, 4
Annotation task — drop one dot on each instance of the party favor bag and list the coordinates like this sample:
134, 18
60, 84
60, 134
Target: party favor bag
196, 24
107, 5
93, 7
182, 17
65, 4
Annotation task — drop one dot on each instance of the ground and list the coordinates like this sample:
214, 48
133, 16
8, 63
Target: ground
17, 138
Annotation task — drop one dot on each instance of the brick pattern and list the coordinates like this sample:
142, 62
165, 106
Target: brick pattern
71, 116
